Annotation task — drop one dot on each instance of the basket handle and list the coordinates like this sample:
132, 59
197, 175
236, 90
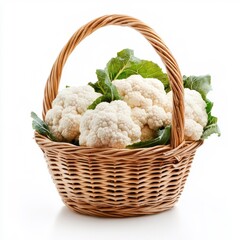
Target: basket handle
51, 87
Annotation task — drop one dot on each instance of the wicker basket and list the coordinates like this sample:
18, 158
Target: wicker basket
120, 182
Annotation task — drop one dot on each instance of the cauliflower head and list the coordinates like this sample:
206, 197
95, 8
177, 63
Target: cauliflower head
67, 108
109, 125
195, 113
148, 101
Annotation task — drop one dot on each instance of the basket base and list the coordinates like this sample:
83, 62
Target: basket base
117, 212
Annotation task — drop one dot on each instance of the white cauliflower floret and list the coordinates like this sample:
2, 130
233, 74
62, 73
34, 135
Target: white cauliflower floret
148, 101
157, 117
193, 130
109, 125
195, 114
195, 107
53, 117
67, 108
141, 92
139, 116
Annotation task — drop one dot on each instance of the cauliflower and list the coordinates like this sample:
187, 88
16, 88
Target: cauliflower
152, 107
109, 125
148, 101
116, 112
67, 108
196, 117
145, 108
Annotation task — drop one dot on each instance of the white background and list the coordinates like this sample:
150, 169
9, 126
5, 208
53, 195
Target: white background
204, 38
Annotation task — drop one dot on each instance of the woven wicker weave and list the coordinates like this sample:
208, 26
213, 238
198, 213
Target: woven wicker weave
120, 182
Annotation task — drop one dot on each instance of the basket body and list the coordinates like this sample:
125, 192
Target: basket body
118, 183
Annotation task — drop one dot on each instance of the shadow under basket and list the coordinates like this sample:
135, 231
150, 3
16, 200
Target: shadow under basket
112, 182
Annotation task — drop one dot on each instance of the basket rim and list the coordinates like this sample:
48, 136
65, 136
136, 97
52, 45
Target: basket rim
166, 151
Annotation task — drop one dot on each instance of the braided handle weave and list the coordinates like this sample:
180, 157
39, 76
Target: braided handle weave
51, 88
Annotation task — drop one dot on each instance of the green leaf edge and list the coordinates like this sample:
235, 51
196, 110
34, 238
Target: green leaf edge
41, 127
163, 138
